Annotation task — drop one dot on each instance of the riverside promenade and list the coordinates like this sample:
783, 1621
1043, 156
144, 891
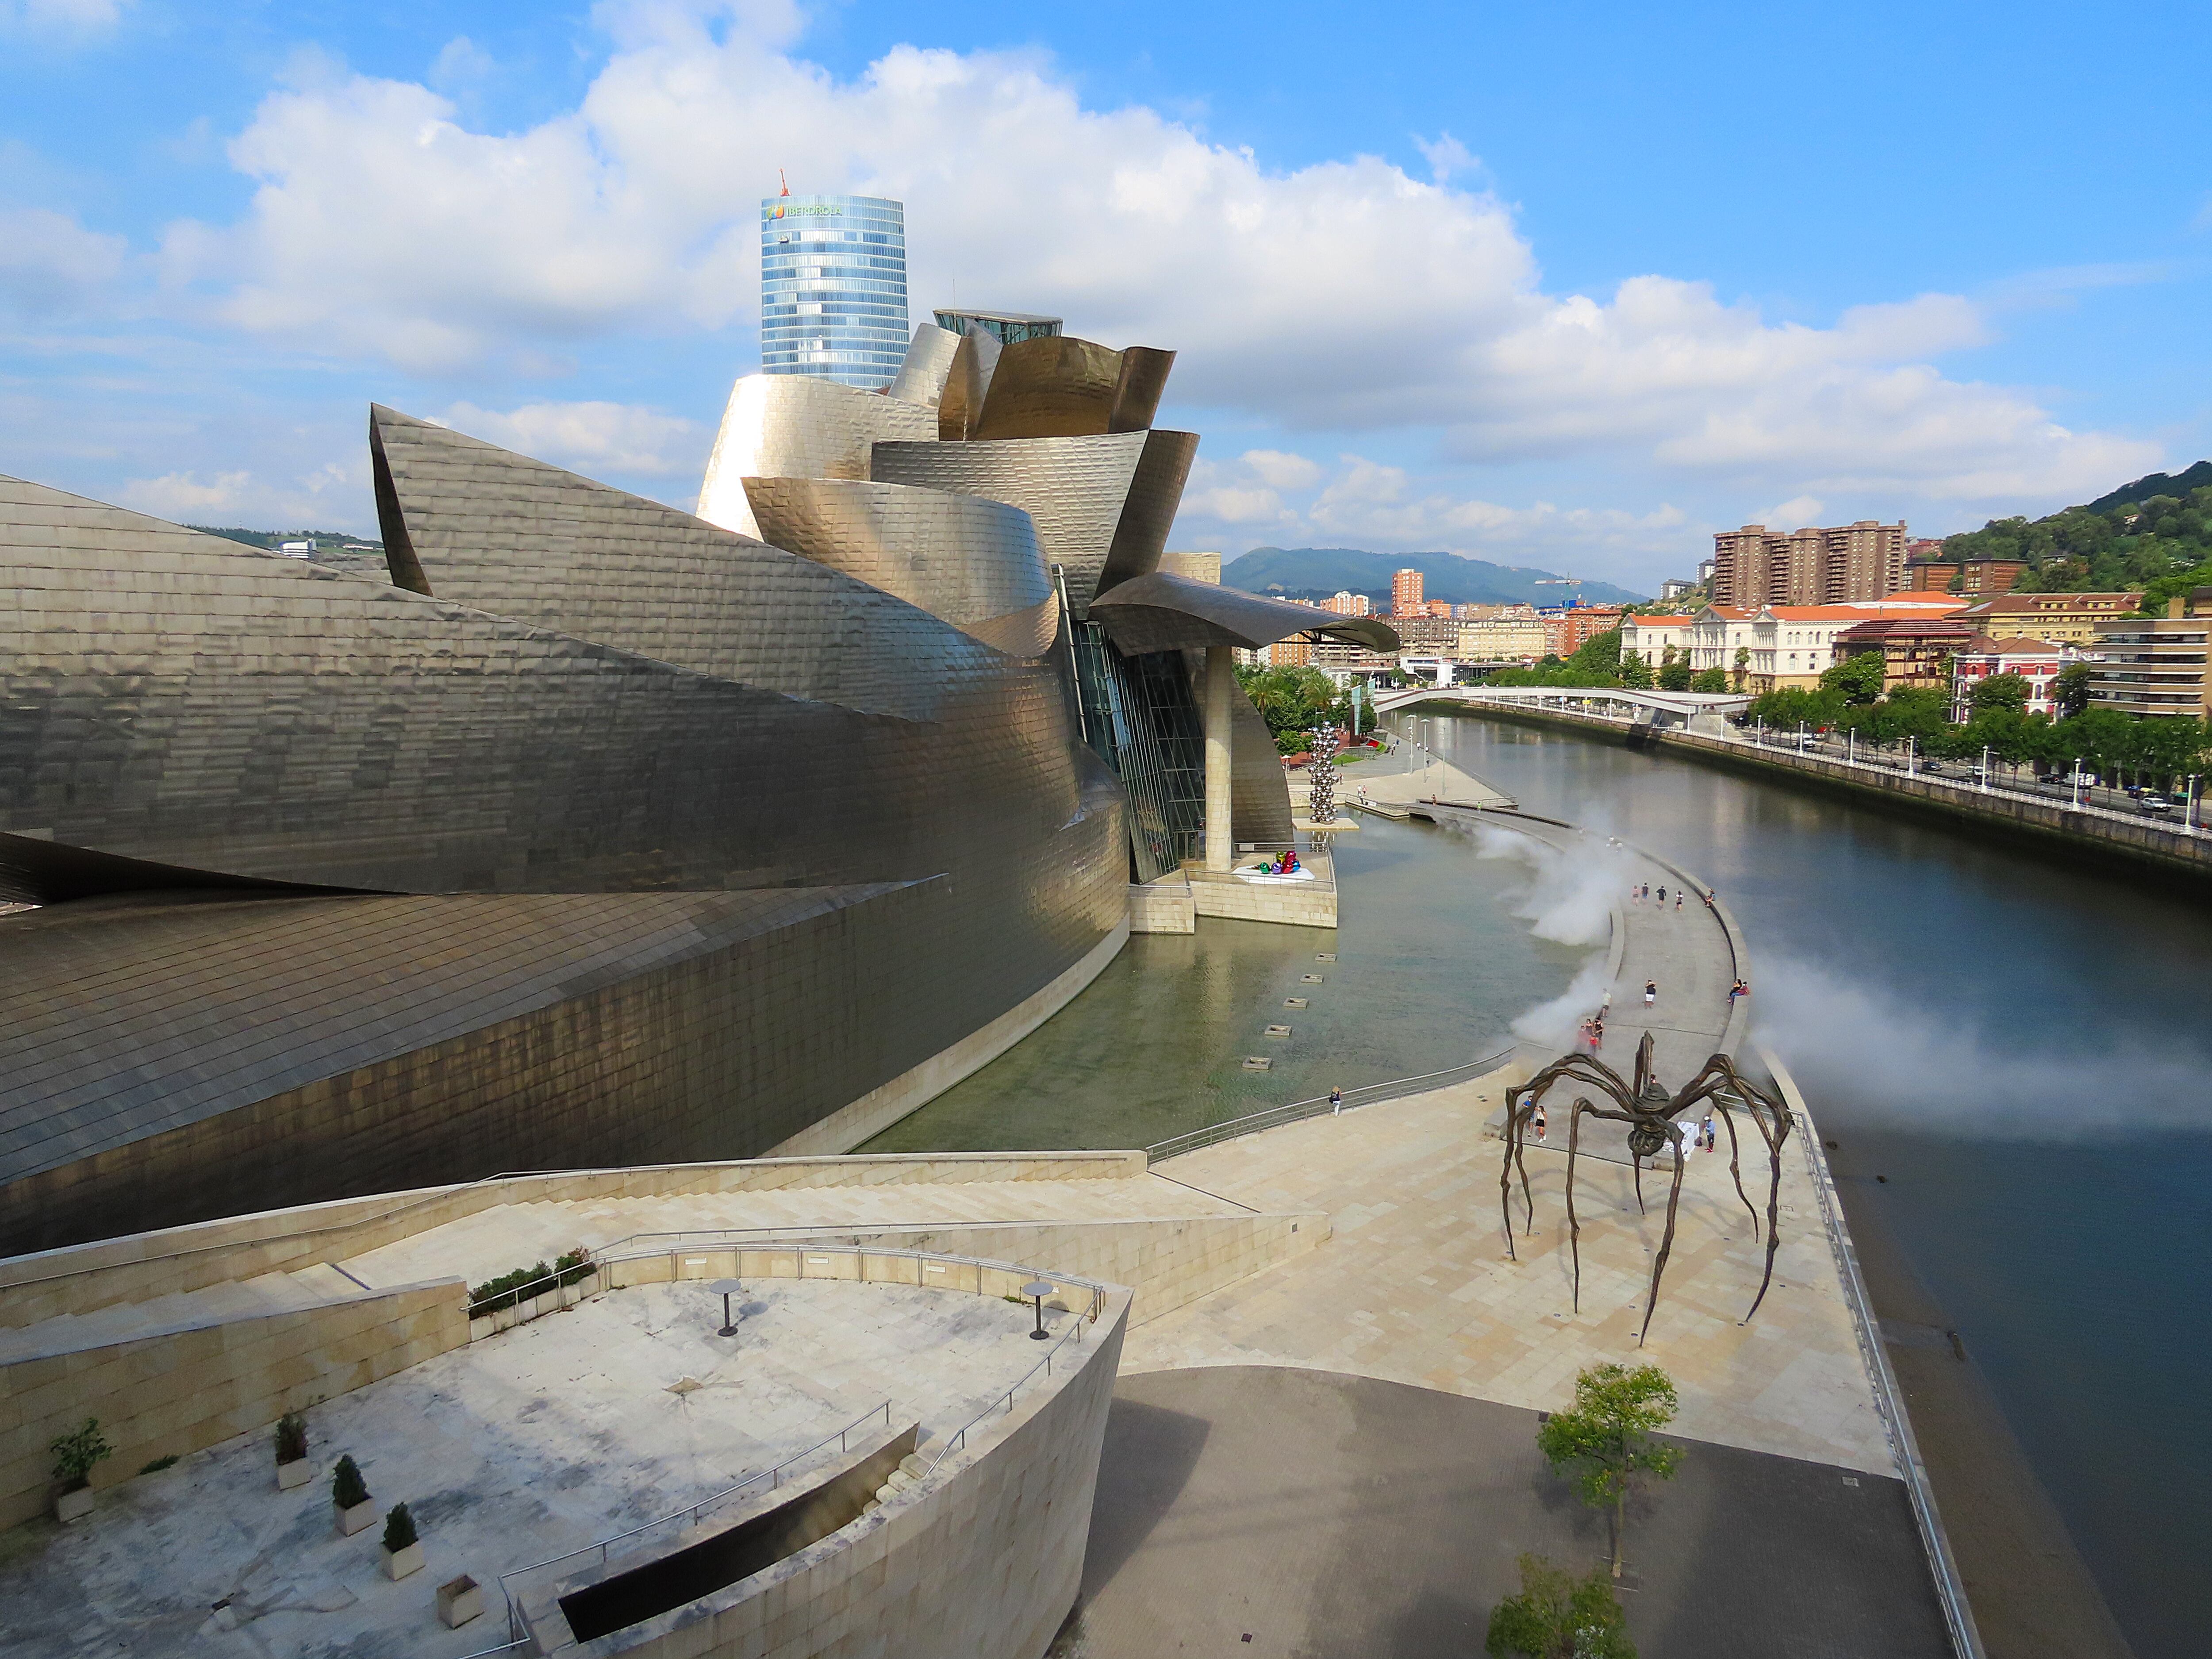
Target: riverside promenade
1336, 1454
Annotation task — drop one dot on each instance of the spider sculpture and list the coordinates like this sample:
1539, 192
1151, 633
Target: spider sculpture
1649, 1112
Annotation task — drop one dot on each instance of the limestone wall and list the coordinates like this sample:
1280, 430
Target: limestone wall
177, 1390
982, 1560
80, 1278
1166, 1263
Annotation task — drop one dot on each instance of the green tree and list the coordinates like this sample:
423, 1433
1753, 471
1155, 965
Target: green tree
1604, 1444
1742, 665
1676, 675
1857, 678
1635, 673
1712, 681
2070, 692
2000, 691
1295, 702
1559, 1616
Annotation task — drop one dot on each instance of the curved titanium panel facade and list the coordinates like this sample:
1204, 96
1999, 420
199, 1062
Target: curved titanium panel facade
967, 385
928, 360
797, 427
171, 699
972, 561
1053, 386
1086, 494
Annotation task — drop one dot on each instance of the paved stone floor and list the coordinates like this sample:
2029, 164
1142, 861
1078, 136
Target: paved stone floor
512, 1449
1415, 1287
1257, 1511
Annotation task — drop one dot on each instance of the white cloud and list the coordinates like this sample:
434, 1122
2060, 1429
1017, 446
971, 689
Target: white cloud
60, 18
329, 497
460, 62
1282, 470
1793, 514
1342, 296
1447, 155
592, 438
49, 262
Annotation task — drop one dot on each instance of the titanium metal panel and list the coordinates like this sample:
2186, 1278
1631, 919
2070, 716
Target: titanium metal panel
1259, 793
972, 561
795, 426
502, 533
1096, 500
1159, 612
1144, 381
928, 361
170, 702
967, 385
1054, 386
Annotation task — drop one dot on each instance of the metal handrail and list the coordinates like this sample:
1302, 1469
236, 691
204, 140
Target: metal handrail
1888, 1398
960, 1438
1298, 1110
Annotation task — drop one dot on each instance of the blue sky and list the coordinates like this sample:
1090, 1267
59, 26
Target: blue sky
1571, 285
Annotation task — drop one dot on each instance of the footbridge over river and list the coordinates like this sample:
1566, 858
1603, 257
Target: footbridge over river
1696, 710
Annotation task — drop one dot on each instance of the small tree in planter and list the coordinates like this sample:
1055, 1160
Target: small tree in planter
74, 1457
293, 1468
349, 1497
1559, 1616
403, 1550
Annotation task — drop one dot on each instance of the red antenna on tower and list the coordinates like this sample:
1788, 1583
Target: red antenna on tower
785, 182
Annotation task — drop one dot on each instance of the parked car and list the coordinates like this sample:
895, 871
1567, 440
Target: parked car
2157, 803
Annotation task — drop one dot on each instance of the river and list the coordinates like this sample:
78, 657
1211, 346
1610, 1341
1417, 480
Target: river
2022, 1047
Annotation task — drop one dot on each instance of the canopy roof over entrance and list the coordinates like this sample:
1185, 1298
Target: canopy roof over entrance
1165, 612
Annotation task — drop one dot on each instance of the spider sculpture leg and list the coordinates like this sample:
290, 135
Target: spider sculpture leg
1575, 1227
1515, 1117
1773, 1204
1735, 1166
1667, 1241
1527, 1198
1637, 1161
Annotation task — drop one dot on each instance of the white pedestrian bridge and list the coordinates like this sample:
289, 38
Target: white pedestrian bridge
1642, 707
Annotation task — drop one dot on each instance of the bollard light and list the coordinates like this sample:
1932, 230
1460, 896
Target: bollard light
726, 1288
1037, 1290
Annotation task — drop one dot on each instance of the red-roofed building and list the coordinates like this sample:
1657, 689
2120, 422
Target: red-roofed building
1649, 637
2036, 661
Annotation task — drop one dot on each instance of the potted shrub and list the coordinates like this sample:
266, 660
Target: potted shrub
403, 1551
459, 1600
74, 1457
293, 1468
349, 1497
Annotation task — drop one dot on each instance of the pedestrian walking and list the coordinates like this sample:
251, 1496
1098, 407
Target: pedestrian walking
1335, 1101
1651, 992
1662, 895
1709, 1132
1678, 900
1597, 1035
1539, 1121
1605, 1005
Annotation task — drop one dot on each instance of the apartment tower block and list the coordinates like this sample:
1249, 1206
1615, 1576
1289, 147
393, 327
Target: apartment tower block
1752, 566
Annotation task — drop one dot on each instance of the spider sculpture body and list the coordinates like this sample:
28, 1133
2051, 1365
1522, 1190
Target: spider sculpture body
1651, 1112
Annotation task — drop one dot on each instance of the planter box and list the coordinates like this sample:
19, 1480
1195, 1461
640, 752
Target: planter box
406, 1561
295, 1473
72, 1506
353, 1519
459, 1600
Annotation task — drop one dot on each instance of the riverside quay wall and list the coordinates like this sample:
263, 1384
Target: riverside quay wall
2049, 824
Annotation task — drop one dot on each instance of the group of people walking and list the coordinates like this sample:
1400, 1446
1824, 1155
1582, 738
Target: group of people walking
1640, 891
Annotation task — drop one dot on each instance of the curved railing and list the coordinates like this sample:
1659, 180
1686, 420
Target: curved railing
1297, 1111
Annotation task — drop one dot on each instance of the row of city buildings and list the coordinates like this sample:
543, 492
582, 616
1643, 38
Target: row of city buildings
2138, 665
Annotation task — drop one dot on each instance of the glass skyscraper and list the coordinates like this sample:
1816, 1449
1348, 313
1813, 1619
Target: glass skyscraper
833, 287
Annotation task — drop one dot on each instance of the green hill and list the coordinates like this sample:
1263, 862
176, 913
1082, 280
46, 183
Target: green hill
1314, 573
2154, 534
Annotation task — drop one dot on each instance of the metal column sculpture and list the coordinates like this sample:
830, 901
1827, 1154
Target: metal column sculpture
1650, 1111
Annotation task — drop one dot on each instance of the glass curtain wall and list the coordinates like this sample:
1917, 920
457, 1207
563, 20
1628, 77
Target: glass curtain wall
1141, 716
833, 287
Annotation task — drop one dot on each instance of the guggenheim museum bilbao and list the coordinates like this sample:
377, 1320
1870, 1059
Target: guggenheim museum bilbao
601, 834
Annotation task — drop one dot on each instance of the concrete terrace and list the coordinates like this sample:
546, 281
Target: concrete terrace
508, 1452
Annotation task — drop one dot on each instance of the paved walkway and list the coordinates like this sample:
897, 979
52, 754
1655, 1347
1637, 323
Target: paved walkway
1415, 1285
1283, 1512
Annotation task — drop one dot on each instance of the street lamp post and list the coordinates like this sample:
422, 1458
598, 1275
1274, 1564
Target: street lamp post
2189, 804
1985, 769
